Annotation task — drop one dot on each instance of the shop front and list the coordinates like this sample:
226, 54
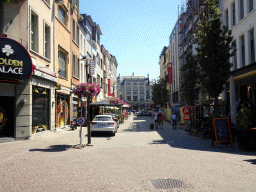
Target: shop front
63, 108
15, 71
244, 88
7, 107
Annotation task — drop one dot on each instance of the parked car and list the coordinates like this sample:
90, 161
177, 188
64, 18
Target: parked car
104, 123
115, 118
144, 113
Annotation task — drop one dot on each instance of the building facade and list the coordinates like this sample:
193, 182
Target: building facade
42, 46
239, 17
135, 91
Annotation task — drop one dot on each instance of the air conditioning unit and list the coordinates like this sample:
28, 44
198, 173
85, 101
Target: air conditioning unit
59, 2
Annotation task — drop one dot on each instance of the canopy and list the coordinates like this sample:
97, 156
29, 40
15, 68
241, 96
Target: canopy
125, 106
103, 103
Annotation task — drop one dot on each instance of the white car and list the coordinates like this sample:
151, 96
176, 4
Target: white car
104, 123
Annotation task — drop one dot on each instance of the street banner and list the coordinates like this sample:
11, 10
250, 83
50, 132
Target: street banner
169, 72
109, 88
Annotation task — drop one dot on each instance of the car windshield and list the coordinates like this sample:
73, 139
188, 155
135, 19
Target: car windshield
102, 119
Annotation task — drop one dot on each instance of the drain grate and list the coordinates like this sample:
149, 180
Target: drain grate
168, 184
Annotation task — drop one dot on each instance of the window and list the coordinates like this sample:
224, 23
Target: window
141, 98
62, 15
234, 14
47, 1
226, 14
88, 37
74, 30
234, 57
129, 98
242, 51
251, 44
77, 34
241, 9
134, 83
34, 32
47, 41
62, 64
135, 98
250, 4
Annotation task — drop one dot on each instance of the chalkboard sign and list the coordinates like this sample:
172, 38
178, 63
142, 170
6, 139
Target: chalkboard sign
221, 131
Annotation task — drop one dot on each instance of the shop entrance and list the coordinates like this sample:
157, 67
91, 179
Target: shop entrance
6, 116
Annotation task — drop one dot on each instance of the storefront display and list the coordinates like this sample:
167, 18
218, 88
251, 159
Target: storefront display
40, 109
62, 110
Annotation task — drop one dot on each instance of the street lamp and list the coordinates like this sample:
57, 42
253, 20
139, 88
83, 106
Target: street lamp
85, 58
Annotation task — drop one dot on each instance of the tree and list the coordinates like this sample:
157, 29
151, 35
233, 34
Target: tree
189, 71
214, 51
160, 92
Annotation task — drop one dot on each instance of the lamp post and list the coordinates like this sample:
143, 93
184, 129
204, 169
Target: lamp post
85, 58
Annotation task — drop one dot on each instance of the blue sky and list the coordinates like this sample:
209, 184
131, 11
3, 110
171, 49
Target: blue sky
134, 31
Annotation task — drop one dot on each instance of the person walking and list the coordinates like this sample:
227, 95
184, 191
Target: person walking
155, 116
160, 120
174, 121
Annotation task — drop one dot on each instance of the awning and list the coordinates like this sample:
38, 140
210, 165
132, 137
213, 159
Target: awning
103, 103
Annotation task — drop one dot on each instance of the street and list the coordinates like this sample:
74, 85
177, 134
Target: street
136, 159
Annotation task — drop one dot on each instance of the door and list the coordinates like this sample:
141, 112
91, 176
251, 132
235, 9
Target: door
6, 116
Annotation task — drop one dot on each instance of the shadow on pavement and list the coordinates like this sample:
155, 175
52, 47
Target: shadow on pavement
181, 139
53, 148
252, 161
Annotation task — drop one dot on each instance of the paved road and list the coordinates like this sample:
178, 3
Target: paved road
136, 159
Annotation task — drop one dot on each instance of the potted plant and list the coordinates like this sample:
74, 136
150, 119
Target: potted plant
243, 128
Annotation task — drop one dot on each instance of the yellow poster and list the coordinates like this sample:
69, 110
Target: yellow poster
181, 116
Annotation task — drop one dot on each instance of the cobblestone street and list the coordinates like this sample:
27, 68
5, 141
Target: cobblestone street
136, 159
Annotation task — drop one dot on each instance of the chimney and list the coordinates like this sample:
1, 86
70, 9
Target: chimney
148, 75
132, 74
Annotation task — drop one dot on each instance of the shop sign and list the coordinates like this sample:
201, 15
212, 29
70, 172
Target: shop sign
15, 61
45, 75
91, 67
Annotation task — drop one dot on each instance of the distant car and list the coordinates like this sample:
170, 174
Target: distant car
143, 113
115, 118
104, 123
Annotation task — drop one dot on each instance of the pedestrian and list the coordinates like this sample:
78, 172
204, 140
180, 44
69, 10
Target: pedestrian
174, 121
155, 116
161, 120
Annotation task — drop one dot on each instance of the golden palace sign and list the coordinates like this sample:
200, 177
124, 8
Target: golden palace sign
15, 61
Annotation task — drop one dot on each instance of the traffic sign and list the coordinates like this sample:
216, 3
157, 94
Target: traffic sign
186, 117
80, 120
186, 110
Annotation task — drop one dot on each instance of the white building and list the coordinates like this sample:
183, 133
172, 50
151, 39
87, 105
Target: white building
135, 90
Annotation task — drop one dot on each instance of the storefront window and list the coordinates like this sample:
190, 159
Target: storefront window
40, 109
62, 110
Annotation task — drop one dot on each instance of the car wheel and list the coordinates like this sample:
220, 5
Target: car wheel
114, 133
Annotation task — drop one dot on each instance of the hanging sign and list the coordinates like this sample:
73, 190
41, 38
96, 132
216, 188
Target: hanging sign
169, 72
91, 67
15, 61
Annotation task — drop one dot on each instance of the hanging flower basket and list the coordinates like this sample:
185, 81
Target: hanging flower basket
87, 90
116, 101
